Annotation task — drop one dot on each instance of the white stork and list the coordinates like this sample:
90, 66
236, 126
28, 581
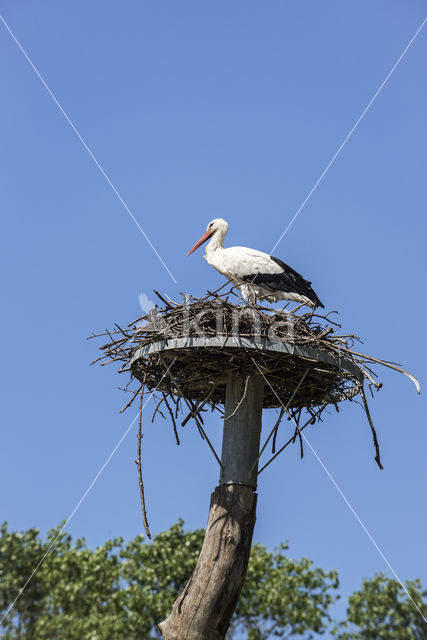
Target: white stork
257, 274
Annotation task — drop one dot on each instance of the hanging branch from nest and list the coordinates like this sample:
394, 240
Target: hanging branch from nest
290, 441
138, 462
276, 429
283, 410
134, 395
198, 420
172, 418
298, 433
374, 433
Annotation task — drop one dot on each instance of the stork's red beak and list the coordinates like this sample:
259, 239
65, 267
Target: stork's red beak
203, 239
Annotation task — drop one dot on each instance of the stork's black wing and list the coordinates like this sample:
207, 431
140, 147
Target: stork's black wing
287, 280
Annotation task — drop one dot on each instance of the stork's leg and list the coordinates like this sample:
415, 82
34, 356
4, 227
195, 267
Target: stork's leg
251, 301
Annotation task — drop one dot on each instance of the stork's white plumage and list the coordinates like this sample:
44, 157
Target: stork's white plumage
258, 275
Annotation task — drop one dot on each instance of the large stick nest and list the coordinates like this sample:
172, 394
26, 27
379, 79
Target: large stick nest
186, 351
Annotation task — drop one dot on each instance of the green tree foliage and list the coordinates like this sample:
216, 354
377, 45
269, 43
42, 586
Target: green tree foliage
383, 610
73, 590
283, 597
122, 591
154, 574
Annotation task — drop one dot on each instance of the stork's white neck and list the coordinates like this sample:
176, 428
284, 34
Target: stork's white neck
215, 242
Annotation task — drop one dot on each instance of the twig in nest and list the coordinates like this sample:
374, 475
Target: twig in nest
168, 304
385, 363
139, 465
214, 293
199, 406
371, 424
295, 309
238, 405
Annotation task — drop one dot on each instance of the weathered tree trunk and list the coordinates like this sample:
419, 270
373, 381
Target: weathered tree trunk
204, 609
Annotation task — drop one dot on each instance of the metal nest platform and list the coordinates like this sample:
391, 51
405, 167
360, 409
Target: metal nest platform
200, 366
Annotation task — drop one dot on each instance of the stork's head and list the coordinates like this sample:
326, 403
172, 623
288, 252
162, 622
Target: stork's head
217, 227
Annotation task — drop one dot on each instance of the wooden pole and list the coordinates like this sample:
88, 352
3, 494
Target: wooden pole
204, 608
242, 430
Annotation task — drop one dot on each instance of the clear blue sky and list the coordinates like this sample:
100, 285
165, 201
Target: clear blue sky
198, 110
